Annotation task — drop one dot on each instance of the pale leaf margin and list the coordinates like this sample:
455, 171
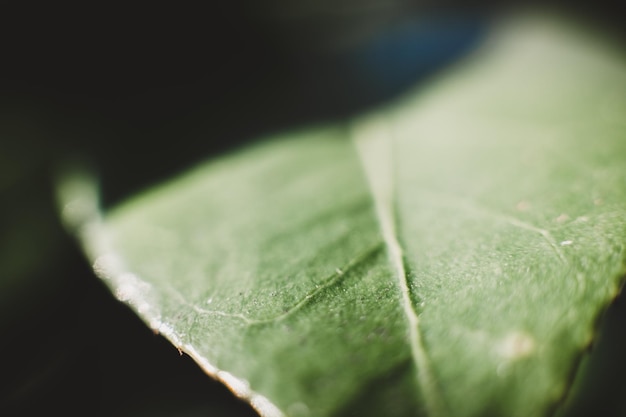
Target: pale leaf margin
78, 196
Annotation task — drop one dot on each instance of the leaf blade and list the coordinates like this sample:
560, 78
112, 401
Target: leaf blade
508, 220
402, 275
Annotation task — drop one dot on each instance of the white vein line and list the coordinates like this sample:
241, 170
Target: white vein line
334, 279
373, 142
513, 221
547, 236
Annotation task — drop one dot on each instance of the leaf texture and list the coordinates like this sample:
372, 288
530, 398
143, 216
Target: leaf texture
446, 255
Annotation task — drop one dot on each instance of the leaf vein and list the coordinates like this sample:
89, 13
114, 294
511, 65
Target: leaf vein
372, 140
329, 282
478, 209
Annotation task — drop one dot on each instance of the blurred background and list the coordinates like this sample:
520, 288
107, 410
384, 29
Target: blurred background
144, 92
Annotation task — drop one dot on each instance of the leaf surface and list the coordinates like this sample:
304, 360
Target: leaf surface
446, 255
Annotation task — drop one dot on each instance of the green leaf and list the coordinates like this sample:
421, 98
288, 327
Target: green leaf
447, 255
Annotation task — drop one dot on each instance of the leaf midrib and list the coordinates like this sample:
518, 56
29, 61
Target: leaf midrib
372, 137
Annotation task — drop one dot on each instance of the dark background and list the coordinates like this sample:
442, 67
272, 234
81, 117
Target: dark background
143, 93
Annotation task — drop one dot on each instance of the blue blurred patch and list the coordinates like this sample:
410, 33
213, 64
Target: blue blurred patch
407, 52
